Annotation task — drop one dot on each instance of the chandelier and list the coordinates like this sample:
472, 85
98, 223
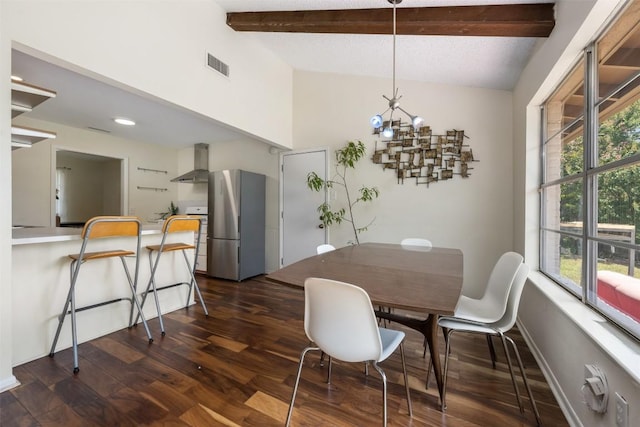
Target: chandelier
378, 121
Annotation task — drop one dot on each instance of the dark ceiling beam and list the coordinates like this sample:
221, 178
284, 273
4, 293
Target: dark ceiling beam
512, 20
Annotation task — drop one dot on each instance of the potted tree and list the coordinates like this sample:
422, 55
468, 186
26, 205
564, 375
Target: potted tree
346, 159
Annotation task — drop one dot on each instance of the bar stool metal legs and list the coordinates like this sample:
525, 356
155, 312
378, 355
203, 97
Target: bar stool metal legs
95, 228
175, 223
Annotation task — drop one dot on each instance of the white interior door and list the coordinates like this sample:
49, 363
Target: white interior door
300, 229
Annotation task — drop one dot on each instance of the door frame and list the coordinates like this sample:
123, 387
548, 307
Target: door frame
281, 194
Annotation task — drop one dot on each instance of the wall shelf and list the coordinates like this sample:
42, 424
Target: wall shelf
24, 98
24, 137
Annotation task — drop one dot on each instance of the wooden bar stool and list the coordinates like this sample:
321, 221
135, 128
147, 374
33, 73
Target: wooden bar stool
174, 224
95, 228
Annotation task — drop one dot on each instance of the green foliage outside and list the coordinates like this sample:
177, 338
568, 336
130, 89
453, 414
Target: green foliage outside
346, 158
618, 189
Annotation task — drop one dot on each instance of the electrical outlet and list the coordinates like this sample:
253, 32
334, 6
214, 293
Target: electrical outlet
622, 412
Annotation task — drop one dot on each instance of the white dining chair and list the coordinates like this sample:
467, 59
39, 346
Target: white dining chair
491, 305
339, 320
499, 328
414, 241
325, 248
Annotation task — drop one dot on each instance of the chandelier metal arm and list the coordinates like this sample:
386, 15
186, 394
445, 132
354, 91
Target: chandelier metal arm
394, 102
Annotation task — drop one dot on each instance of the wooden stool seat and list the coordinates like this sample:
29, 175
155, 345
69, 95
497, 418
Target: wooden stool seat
171, 247
102, 254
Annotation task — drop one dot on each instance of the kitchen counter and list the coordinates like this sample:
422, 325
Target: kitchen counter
40, 283
27, 235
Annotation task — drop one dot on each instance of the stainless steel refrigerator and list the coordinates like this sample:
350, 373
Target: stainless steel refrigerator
236, 228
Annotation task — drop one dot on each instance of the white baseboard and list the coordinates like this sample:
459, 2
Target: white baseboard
8, 383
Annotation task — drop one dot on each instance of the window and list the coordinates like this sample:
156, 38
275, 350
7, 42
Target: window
590, 194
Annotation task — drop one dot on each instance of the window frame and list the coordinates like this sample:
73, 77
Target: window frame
589, 238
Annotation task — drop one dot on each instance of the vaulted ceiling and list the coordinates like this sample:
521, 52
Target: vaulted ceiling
476, 43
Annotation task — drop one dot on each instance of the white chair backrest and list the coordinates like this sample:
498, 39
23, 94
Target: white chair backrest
502, 275
325, 248
413, 241
492, 305
501, 280
513, 302
339, 318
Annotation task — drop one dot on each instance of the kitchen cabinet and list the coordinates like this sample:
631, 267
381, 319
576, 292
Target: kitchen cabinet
24, 98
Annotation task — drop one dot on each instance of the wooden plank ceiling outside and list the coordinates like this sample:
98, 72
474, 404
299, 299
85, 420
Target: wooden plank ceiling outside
512, 20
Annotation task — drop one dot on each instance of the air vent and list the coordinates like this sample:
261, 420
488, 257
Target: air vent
98, 129
217, 65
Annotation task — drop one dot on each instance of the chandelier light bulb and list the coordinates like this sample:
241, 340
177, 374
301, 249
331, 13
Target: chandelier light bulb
376, 121
417, 122
387, 132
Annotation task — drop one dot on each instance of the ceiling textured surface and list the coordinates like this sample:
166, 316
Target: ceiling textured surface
483, 62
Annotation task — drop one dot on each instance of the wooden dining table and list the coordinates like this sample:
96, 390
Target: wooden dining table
427, 282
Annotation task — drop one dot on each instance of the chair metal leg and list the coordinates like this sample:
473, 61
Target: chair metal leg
74, 270
132, 286
524, 379
406, 380
295, 387
194, 284
74, 334
492, 351
513, 378
152, 286
446, 368
152, 281
384, 393
64, 310
329, 370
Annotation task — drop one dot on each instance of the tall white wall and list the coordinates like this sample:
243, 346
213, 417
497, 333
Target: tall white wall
159, 48
563, 333
6, 376
473, 214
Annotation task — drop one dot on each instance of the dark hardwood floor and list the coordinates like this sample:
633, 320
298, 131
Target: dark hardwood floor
237, 367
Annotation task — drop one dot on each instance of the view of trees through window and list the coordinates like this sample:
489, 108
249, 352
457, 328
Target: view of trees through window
591, 181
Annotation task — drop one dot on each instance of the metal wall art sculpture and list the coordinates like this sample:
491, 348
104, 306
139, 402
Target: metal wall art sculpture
421, 155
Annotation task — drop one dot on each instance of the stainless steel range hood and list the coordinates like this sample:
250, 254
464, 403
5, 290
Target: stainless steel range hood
200, 172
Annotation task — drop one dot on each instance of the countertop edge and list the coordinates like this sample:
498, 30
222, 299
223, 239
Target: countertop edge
34, 235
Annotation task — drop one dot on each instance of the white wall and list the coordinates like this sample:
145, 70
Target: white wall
33, 172
88, 184
7, 379
563, 333
473, 214
159, 48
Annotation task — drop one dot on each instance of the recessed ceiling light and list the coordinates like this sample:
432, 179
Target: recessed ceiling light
16, 78
126, 122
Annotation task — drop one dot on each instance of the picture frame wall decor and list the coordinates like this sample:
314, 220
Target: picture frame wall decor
421, 155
